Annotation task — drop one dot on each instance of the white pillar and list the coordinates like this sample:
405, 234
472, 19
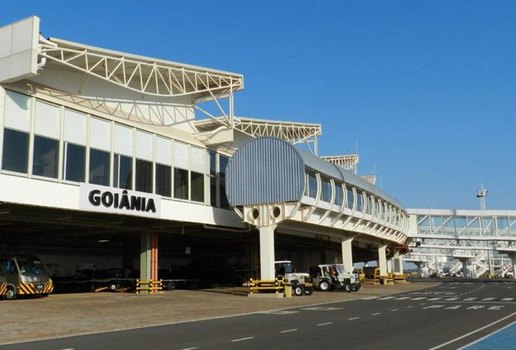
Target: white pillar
398, 263
419, 269
267, 252
347, 254
513, 262
382, 260
465, 270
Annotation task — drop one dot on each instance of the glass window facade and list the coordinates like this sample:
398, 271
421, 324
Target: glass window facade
223, 163
15, 155
339, 194
213, 178
360, 201
312, 185
181, 183
164, 180
197, 187
144, 176
45, 157
74, 162
351, 198
100, 167
123, 172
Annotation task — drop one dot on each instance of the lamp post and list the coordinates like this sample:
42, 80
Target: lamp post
481, 195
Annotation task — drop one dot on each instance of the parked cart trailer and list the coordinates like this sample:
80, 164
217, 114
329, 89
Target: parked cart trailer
25, 275
300, 281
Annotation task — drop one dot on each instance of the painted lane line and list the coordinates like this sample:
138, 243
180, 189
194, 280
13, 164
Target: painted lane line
451, 299
488, 299
370, 298
242, 339
473, 332
434, 299
410, 306
353, 318
289, 330
394, 309
487, 336
385, 298
324, 324
402, 298
195, 347
376, 314
507, 299
470, 299
419, 298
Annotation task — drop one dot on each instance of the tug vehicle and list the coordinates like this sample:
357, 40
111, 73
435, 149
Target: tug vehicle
300, 281
329, 277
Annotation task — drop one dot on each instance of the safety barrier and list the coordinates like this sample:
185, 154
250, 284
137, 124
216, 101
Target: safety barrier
152, 286
267, 286
3, 289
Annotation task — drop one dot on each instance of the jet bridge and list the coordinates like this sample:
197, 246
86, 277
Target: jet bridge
275, 186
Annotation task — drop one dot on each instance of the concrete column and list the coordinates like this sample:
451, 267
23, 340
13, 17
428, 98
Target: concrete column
347, 254
513, 262
419, 269
382, 260
465, 270
267, 252
148, 257
398, 263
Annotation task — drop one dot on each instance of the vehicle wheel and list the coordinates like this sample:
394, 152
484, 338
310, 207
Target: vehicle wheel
309, 291
299, 290
348, 287
113, 287
11, 293
324, 286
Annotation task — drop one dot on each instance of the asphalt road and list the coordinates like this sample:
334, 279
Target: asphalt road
448, 316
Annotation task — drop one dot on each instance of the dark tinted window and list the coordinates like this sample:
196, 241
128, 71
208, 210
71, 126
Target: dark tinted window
15, 151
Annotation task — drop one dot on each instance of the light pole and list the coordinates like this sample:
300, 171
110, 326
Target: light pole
481, 195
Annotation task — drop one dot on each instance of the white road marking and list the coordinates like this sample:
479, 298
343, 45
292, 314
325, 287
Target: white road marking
241, 339
486, 336
385, 298
475, 307
195, 347
451, 299
324, 324
433, 307
402, 298
496, 308
470, 333
353, 318
410, 306
289, 330
455, 307
278, 312
419, 298
394, 309
488, 299
369, 298
433, 299
507, 299
322, 308
470, 299
376, 314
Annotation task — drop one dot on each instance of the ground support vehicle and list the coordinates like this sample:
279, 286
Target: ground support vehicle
25, 275
3, 283
328, 277
301, 281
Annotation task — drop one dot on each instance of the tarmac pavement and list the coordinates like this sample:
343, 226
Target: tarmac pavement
61, 315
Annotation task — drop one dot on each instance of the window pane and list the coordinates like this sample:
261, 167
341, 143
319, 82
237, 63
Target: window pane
99, 167
75, 163
351, 198
180, 183
164, 180
312, 186
46, 156
213, 178
15, 151
326, 190
360, 201
224, 203
143, 176
197, 181
122, 176
338, 195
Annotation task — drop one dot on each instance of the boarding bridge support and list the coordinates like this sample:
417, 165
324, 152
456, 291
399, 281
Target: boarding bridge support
512, 256
419, 268
398, 263
267, 272
149, 257
347, 254
465, 270
382, 260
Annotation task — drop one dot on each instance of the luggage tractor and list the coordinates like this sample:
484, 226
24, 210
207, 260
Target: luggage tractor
328, 277
301, 281
25, 275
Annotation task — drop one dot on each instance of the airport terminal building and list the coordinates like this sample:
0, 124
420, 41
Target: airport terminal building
106, 164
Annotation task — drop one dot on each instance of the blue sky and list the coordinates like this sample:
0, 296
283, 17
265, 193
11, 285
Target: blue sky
426, 88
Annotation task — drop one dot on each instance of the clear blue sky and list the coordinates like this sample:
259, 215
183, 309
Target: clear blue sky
426, 88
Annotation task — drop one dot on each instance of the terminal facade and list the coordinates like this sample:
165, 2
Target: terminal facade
105, 164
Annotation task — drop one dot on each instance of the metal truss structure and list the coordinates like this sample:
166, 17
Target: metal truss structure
137, 73
292, 132
484, 236
349, 161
